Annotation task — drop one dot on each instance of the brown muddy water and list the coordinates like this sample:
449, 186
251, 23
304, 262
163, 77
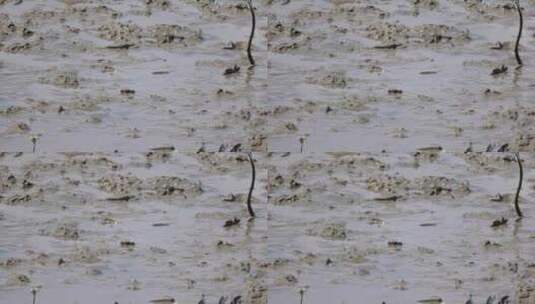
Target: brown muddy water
126, 199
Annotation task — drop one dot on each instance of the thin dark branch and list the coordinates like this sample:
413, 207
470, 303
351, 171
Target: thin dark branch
521, 177
521, 25
249, 207
253, 26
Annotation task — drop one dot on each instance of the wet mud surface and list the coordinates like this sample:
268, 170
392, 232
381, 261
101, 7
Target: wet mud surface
398, 75
341, 75
366, 119
398, 228
130, 228
129, 75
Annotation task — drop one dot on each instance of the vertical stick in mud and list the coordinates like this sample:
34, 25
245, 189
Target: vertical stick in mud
253, 177
521, 25
34, 293
521, 177
253, 25
34, 143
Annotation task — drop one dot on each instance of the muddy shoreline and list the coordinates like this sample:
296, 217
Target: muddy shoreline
366, 120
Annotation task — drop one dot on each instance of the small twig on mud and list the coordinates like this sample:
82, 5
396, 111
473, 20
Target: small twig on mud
521, 177
34, 293
302, 142
34, 142
253, 26
302, 293
521, 25
249, 207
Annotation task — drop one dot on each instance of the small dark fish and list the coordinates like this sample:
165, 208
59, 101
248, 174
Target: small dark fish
469, 300
499, 222
125, 198
230, 198
428, 224
236, 148
160, 72
392, 198
499, 70
128, 244
233, 222
229, 46
232, 70
503, 148
124, 46
236, 300
392, 46
436, 148
395, 244
497, 46
169, 148
469, 149
128, 92
497, 198
286, 154
160, 224
164, 301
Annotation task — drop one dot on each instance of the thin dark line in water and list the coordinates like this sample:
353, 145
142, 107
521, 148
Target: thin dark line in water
34, 142
520, 26
520, 179
253, 177
34, 293
253, 26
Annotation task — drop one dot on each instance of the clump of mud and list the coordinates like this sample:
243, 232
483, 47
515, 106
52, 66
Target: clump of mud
427, 186
61, 78
160, 4
64, 231
331, 79
119, 184
329, 231
120, 32
169, 35
168, 186
426, 35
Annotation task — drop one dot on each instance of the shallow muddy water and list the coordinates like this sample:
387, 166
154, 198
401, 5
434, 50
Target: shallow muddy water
68, 232
434, 88
366, 119
343, 227
395, 228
